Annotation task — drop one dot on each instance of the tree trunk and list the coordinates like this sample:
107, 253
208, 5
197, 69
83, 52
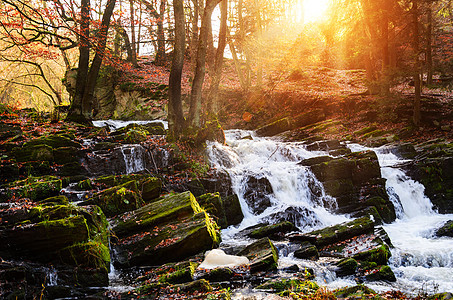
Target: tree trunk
429, 52
194, 38
213, 105
417, 81
87, 100
200, 69
161, 55
175, 113
76, 110
133, 43
122, 32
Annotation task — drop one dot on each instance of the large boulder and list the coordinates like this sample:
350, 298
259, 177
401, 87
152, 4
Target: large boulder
355, 181
170, 229
258, 194
34, 188
54, 232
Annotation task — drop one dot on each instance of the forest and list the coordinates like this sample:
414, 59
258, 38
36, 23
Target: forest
226, 149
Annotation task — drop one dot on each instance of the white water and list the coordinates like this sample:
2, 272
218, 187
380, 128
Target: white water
117, 124
134, 158
420, 262
294, 187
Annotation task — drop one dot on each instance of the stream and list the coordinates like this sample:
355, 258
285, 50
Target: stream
421, 262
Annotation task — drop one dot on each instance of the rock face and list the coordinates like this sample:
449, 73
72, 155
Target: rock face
258, 194
355, 181
166, 230
58, 233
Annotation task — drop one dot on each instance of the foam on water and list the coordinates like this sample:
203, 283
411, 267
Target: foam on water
117, 124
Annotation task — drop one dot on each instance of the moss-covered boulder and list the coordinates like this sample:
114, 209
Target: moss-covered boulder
445, 230
274, 232
55, 141
217, 274
117, 200
346, 266
355, 292
178, 273
148, 187
380, 273
170, 229
262, 254
334, 234
34, 188
307, 251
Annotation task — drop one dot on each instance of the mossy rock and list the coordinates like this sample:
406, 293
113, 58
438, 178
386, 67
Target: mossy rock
334, 234
280, 285
170, 242
56, 200
274, 232
365, 130
384, 273
149, 187
373, 134
346, 266
218, 275
117, 200
379, 255
355, 292
262, 254
34, 188
335, 169
55, 141
179, 273
42, 240
307, 251
274, 128
86, 254
384, 207
167, 209
213, 205
33, 153
445, 230
72, 169
366, 166
200, 285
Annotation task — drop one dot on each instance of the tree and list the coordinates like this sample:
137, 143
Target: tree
161, 58
200, 69
175, 113
82, 105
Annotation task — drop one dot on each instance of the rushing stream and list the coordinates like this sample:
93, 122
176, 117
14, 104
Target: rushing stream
420, 262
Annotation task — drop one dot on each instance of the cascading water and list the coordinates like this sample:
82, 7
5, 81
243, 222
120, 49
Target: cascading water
421, 262
292, 192
134, 158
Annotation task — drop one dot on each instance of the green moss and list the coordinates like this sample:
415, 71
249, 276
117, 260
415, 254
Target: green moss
375, 133
381, 273
365, 130
379, 255
87, 254
346, 266
356, 292
180, 274
34, 188
213, 205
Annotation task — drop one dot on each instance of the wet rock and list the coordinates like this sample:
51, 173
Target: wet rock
336, 233
166, 230
262, 254
305, 119
212, 131
233, 210
218, 275
354, 292
299, 216
214, 205
8, 131
274, 232
445, 230
346, 266
307, 251
441, 296
258, 193
34, 188
381, 273
116, 200
178, 273
52, 233
274, 128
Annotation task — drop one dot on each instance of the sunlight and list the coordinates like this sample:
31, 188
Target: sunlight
314, 10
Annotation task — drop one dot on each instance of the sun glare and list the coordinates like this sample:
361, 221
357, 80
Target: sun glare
314, 10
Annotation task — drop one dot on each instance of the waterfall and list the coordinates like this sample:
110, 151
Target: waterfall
134, 158
52, 276
291, 191
418, 258
271, 185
